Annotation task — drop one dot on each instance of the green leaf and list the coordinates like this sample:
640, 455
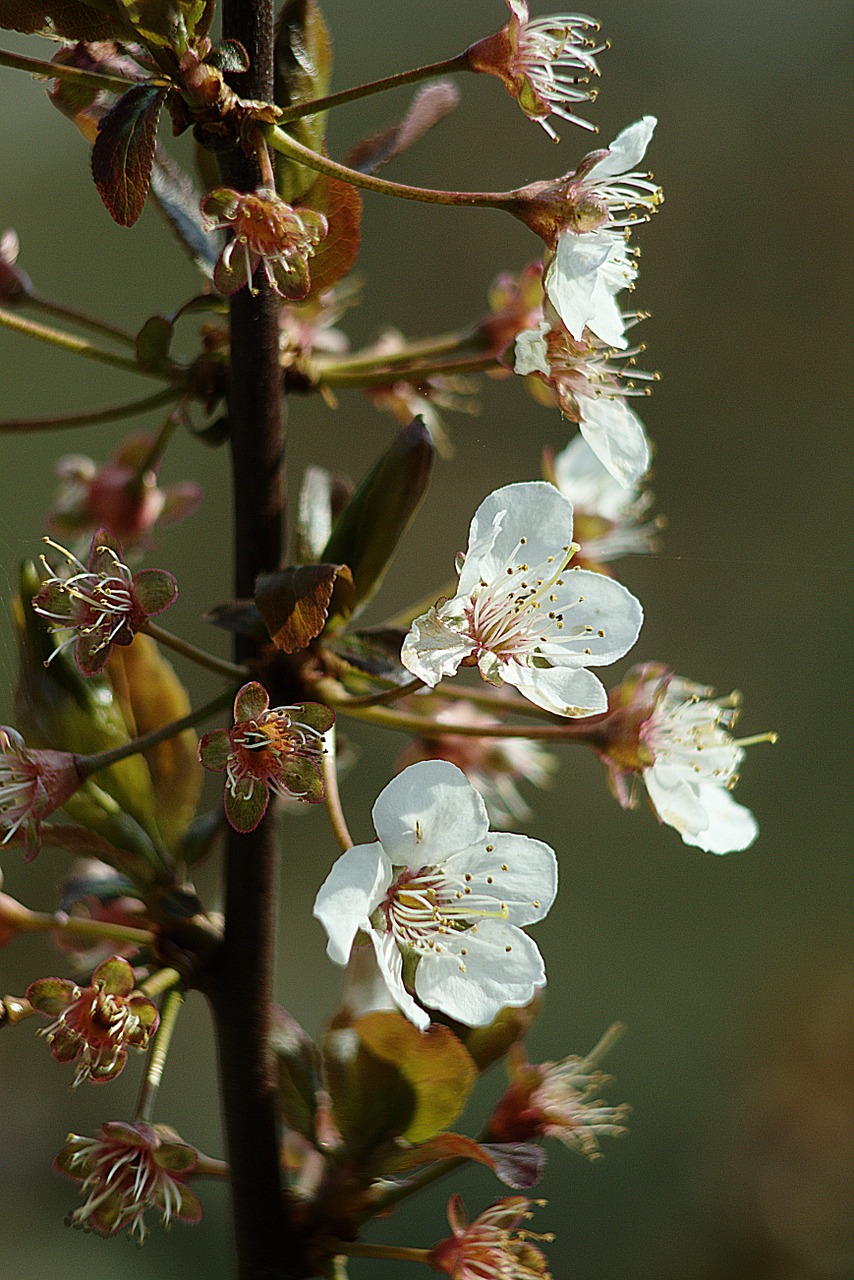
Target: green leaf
372, 1101
373, 652
298, 1066
153, 341
382, 509
71, 19
295, 602
303, 66
168, 23
228, 55
124, 152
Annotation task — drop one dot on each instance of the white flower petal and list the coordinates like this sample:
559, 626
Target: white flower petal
616, 435
602, 620
588, 485
476, 975
432, 650
532, 352
390, 963
533, 510
732, 826
565, 691
625, 152
353, 889
427, 812
518, 872
582, 278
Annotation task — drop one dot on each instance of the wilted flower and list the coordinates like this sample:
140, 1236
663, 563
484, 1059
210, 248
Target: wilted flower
610, 520
103, 603
129, 1169
492, 1247
269, 749
267, 232
557, 1100
591, 389
544, 63
121, 495
442, 899
95, 1024
494, 766
672, 734
32, 785
520, 614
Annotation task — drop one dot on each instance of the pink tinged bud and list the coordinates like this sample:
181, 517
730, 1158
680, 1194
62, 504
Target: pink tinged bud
277, 749
96, 1024
129, 1169
267, 232
492, 1247
14, 283
101, 604
32, 785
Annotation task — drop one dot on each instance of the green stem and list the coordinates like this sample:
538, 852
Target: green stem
332, 797
388, 1252
441, 344
80, 347
63, 312
152, 459
170, 1009
90, 417
390, 1195
48, 922
74, 75
426, 728
162, 980
449, 66
495, 702
220, 666
336, 376
288, 146
330, 691
91, 764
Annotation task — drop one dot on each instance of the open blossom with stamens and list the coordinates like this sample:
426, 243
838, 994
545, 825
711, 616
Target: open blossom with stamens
673, 735
610, 519
520, 614
276, 749
121, 494
129, 1169
557, 1100
492, 1247
101, 603
268, 232
592, 262
95, 1025
442, 899
32, 785
544, 63
591, 389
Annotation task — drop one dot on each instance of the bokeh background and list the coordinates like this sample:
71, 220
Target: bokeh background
732, 974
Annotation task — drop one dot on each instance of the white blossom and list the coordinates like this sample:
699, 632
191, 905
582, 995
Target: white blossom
616, 512
442, 899
520, 614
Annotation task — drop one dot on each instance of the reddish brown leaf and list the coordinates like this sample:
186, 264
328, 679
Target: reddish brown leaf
294, 603
429, 106
124, 151
341, 205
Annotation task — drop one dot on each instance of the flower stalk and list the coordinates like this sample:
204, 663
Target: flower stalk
170, 1009
80, 347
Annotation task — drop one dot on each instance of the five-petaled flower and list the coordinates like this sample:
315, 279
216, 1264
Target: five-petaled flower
592, 262
557, 1100
95, 1025
130, 1168
610, 519
442, 899
520, 614
32, 785
544, 63
102, 603
122, 494
492, 1247
267, 232
672, 734
591, 389
276, 749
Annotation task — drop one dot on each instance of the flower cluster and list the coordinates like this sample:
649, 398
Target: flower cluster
95, 1025
277, 749
493, 1246
267, 232
101, 603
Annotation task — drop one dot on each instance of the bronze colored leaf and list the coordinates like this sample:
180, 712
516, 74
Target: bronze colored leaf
294, 603
124, 151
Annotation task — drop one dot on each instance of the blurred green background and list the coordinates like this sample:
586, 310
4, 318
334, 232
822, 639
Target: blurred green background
733, 974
